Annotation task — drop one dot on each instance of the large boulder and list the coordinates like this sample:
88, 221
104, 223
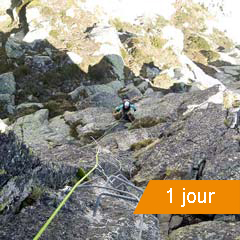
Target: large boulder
110, 68
83, 92
101, 99
149, 71
14, 48
40, 134
130, 92
114, 218
90, 123
211, 230
124, 139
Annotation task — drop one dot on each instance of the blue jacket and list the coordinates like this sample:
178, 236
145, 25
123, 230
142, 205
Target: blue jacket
120, 108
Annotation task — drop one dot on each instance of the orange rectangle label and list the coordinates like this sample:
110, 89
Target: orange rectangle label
190, 197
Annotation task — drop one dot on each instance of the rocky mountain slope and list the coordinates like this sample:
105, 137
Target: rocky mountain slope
64, 67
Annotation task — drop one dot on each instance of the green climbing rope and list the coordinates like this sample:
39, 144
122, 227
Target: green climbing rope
43, 228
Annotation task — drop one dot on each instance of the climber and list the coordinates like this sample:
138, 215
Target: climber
123, 111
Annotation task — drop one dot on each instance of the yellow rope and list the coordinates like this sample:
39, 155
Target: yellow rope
43, 228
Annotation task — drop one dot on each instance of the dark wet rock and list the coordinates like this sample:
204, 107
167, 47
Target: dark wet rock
180, 87
209, 70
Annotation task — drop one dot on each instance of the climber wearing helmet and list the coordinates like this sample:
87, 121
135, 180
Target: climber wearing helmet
123, 111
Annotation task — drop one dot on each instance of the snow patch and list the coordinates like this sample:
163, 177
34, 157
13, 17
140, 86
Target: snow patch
75, 57
127, 10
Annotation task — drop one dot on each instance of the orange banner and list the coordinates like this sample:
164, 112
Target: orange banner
190, 197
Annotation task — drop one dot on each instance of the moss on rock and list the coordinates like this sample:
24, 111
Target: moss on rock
197, 42
141, 144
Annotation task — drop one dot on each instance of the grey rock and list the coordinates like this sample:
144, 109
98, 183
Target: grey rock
83, 92
90, 123
78, 93
225, 217
114, 219
16, 164
7, 83
110, 68
6, 105
130, 92
115, 85
211, 230
7, 99
155, 109
149, 71
148, 92
102, 99
41, 134
14, 48
123, 140
164, 218
24, 106
186, 149
226, 79
143, 87
41, 63
232, 70
178, 73
175, 221
10, 109
118, 65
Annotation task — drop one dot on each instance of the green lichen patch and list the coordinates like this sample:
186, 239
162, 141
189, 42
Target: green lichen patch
220, 38
54, 33
190, 17
3, 172
58, 106
157, 41
141, 144
122, 26
197, 42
